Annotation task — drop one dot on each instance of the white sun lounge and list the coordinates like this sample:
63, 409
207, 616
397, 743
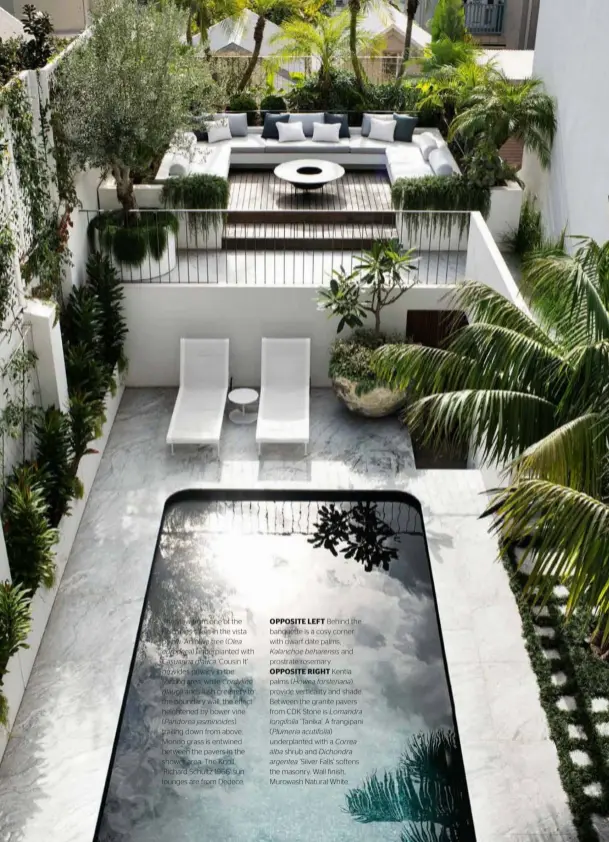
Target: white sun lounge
199, 409
283, 416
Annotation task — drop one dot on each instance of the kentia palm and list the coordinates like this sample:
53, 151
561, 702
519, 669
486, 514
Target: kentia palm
324, 38
531, 392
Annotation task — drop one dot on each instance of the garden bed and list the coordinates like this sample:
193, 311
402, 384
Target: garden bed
574, 692
20, 665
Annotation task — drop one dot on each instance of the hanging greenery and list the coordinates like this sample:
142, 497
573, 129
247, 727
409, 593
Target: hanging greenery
146, 234
201, 191
453, 194
7, 257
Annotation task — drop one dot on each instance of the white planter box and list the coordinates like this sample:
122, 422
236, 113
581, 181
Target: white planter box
148, 197
20, 665
506, 203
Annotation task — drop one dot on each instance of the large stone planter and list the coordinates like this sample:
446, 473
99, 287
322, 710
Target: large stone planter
377, 403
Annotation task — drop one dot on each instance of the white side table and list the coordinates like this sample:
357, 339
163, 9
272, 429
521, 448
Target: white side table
243, 398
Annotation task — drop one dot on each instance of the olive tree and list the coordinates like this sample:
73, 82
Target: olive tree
121, 95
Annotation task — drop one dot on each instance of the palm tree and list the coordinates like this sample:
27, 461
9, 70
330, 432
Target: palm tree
357, 8
427, 792
262, 8
412, 7
325, 39
532, 391
501, 109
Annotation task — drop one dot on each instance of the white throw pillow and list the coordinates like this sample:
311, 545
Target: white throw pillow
382, 129
290, 131
326, 132
218, 130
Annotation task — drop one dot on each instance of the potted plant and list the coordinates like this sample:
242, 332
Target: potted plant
381, 277
121, 98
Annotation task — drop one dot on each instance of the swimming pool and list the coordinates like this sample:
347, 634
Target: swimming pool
288, 681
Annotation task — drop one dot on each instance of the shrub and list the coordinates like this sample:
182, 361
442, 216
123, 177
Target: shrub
343, 94
351, 358
448, 21
272, 102
244, 101
130, 244
15, 624
440, 192
29, 537
56, 463
103, 281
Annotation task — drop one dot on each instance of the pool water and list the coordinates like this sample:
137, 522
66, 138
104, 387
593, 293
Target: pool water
288, 681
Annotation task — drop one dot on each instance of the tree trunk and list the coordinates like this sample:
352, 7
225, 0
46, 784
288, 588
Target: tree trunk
377, 321
189, 26
124, 190
251, 65
411, 10
355, 8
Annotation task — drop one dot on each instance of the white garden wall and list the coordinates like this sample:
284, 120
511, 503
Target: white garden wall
504, 216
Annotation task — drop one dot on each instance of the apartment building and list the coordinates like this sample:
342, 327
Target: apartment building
511, 24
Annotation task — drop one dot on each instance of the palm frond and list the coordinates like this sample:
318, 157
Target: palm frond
573, 455
496, 424
564, 292
424, 371
570, 546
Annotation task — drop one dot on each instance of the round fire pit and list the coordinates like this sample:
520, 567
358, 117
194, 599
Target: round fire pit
309, 174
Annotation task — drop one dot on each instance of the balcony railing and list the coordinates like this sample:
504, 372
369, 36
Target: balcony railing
293, 248
484, 18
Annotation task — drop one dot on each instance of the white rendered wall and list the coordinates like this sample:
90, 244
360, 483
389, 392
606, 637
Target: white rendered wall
572, 59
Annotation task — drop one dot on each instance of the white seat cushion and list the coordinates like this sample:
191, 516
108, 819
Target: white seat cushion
211, 160
407, 169
366, 146
251, 143
308, 147
197, 417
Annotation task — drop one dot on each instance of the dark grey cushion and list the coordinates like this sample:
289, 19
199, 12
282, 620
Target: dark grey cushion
366, 121
269, 130
237, 123
339, 118
405, 126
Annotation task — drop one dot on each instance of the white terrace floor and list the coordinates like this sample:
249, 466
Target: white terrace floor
53, 773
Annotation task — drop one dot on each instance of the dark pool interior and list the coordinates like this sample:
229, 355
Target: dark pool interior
288, 681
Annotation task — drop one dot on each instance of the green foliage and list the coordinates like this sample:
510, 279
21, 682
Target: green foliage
441, 193
86, 420
56, 462
379, 278
127, 90
446, 53
15, 625
528, 237
29, 537
7, 256
103, 281
273, 102
37, 50
17, 54
587, 678
15, 622
199, 191
351, 358
244, 102
499, 109
448, 21
484, 167
530, 393
130, 239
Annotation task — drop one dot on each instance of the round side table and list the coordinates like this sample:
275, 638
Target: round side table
243, 398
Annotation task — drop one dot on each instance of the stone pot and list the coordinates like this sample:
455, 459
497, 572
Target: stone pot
377, 403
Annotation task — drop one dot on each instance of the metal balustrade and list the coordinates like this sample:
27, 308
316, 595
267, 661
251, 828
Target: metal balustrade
283, 248
485, 18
